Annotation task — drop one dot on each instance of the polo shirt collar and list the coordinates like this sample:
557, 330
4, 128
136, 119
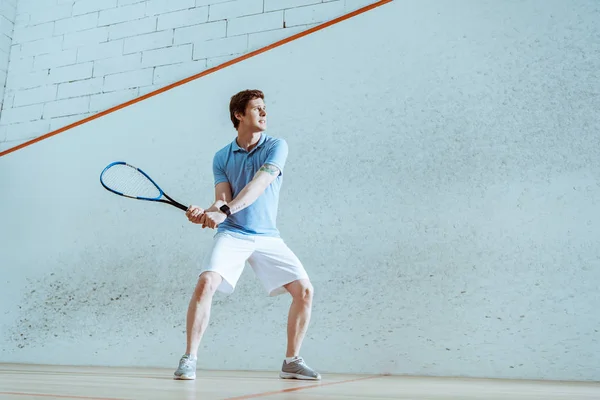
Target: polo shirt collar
236, 147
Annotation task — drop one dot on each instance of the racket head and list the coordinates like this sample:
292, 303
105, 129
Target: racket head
127, 180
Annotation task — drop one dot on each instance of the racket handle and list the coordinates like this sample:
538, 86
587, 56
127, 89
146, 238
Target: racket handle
181, 206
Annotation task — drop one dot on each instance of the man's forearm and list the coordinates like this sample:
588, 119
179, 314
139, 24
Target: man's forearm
215, 206
247, 196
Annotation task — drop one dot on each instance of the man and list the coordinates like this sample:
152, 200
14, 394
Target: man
248, 176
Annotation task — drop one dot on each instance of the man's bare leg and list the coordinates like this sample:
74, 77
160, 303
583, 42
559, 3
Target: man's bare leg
198, 313
299, 315
297, 325
198, 316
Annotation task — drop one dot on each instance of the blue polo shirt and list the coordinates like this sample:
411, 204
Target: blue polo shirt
237, 166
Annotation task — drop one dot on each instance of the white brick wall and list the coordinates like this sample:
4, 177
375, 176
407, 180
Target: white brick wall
65, 60
8, 12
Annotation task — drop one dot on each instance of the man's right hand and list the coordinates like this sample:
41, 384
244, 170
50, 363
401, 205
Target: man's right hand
194, 213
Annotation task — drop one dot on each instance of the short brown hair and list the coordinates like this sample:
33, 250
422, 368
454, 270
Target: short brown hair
240, 100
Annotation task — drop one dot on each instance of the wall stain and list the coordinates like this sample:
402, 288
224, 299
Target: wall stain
59, 306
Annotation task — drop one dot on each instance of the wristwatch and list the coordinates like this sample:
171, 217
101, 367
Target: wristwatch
225, 209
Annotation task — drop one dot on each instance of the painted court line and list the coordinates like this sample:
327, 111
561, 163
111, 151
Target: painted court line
298, 388
59, 396
199, 75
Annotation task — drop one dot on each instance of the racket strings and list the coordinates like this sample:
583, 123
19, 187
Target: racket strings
130, 182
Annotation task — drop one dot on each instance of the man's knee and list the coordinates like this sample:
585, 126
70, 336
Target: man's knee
301, 290
207, 284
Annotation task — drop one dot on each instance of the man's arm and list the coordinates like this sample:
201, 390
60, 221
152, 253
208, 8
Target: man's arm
252, 191
222, 196
248, 195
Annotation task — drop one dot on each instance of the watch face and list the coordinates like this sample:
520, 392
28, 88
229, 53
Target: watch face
225, 209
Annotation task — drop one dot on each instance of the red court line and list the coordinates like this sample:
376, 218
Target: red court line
298, 388
199, 75
61, 396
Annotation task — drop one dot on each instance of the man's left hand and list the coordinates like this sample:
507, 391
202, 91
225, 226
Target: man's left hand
212, 219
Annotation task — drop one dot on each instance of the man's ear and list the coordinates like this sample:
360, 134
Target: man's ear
238, 115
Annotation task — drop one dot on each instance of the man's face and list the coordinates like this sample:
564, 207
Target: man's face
255, 118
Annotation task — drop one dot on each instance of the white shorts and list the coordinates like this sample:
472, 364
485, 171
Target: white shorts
273, 262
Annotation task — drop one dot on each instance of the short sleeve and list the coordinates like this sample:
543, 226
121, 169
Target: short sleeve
277, 154
219, 170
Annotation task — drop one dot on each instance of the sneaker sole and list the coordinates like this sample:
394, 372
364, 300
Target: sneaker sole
184, 377
288, 375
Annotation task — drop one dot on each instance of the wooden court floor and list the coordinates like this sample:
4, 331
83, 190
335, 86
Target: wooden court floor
20, 382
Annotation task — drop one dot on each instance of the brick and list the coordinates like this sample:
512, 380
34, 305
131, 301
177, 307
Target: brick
149, 41
148, 89
255, 23
88, 6
351, 5
31, 33
3, 74
122, 14
127, 2
6, 26
117, 64
272, 5
17, 80
100, 51
132, 28
220, 47
44, 46
313, 14
200, 3
157, 7
24, 6
8, 9
9, 97
261, 39
183, 18
48, 14
197, 33
16, 51
60, 59
85, 38
172, 73
4, 58
101, 102
80, 88
169, 55
214, 61
76, 24
71, 73
19, 132
234, 9
60, 122
38, 95
7, 145
128, 80
61, 108
5, 43
22, 19
22, 114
